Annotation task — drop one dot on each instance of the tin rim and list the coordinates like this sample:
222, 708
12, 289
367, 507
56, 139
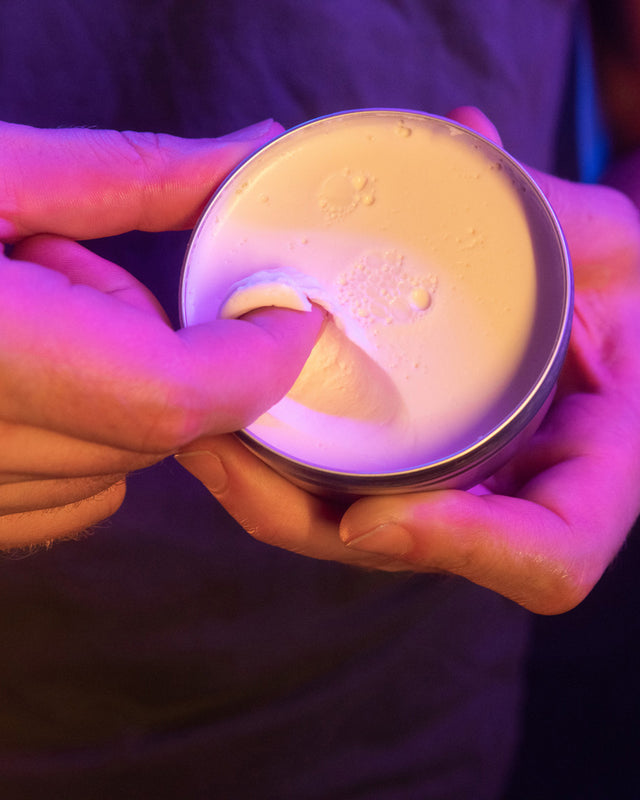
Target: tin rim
496, 439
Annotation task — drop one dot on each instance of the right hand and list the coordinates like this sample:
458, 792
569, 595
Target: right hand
95, 383
549, 523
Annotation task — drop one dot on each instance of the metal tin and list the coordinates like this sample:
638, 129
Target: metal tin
474, 460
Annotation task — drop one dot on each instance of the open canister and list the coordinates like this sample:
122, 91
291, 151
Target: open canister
449, 285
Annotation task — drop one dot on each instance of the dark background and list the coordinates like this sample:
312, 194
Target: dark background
581, 737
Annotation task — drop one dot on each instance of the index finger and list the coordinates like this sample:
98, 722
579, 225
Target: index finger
602, 229
86, 184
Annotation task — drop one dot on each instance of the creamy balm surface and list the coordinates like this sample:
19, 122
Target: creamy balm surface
423, 243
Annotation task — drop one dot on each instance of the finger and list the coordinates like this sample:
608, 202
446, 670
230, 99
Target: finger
609, 254
49, 494
46, 525
268, 506
472, 117
81, 362
34, 453
81, 266
246, 487
86, 184
545, 549
488, 539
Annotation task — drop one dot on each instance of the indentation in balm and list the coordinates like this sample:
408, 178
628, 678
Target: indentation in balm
339, 378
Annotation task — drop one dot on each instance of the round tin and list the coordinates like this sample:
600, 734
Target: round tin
212, 266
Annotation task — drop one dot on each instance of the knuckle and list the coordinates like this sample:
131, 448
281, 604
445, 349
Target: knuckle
143, 150
562, 591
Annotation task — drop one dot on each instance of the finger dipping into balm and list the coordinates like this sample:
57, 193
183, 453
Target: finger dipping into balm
447, 285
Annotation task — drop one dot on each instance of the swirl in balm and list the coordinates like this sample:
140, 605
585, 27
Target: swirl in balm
447, 285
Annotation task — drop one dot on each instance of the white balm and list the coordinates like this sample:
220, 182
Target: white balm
442, 267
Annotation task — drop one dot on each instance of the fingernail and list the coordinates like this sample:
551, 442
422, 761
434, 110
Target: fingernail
206, 467
251, 132
389, 539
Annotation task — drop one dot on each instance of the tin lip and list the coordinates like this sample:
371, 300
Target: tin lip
496, 438
449, 468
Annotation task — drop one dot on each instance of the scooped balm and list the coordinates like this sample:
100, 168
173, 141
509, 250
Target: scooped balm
447, 287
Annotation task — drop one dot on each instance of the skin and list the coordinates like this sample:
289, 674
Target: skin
544, 529
95, 383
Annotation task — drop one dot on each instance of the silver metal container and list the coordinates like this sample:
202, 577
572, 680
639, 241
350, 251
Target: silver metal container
210, 268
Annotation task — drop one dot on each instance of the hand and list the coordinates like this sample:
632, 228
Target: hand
95, 383
544, 528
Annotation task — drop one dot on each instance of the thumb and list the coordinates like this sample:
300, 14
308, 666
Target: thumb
509, 545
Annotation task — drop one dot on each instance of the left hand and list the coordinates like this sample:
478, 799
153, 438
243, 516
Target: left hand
94, 381
546, 526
